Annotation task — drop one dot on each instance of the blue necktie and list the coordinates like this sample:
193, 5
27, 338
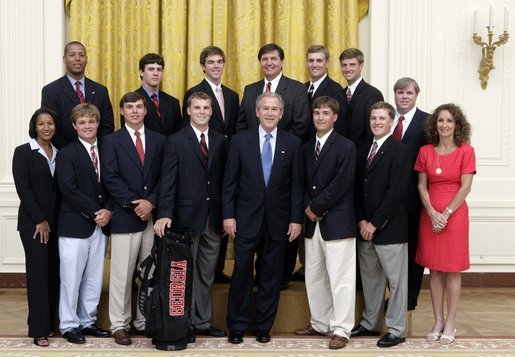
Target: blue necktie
266, 158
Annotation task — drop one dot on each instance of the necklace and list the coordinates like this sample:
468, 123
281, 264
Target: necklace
438, 170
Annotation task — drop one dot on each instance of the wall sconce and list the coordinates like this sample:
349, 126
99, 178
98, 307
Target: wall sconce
487, 49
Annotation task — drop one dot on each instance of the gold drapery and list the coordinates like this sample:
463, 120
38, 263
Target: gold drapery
117, 33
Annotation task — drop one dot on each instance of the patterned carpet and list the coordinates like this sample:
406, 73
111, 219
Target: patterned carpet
278, 347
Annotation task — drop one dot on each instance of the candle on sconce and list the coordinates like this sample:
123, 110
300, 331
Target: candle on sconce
491, 17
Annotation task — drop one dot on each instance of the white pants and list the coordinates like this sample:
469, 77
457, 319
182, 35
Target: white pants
331, 283
126, 250
81, 273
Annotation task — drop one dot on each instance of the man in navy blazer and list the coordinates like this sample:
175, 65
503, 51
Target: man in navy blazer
63, 94
262, 209
82, 227
330, 228
411, 132
212, 61
190, 197
360, 97
223, 120
131, 166
317, 61
163, 110
382, 175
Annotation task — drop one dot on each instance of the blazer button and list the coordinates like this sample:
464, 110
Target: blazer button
207, 199
145, 188
99, 196
314, 187
209, 182
366, 180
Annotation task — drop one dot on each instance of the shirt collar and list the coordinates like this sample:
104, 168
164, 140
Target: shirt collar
263, 132
212, 85
73, 80
88, 145
198, 132
324, 138
275, 82
354, 85
132, 131
149, 93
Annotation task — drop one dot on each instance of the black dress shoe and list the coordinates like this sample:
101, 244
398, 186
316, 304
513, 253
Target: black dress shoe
235, 337
191, 335
211, 331
285, 285
94, 330
262, 336
361, 331
74, 336
297, 276
390, 340
222, 279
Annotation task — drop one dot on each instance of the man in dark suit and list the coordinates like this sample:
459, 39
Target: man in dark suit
408, 127
296, 117
63, 94
189, 197
330, 230
82, 227
225, 100
131, 166
262, 209
317, 61
382, 175
360, 97
225, 105
163, 111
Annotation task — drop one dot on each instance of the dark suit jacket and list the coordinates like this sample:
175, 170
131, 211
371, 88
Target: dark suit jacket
61, 97
82, 194
37, 189
231, 103
190, 192
332, 89
169, 122
380, 191
415, 138
127, 180
330, 187
356, 126
296, 107
245, 196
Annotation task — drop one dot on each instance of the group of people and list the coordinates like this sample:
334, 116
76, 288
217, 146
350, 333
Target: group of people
375, 193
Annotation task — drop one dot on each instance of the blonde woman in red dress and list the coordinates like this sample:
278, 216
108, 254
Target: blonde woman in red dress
446, 166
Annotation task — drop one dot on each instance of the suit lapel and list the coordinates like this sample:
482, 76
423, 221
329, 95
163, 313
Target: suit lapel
323, 153
68, 89
255, 153
416, 122
281, 146
89, 91
217, 111
150, 150
85, 158
128, 145
380, 153
213, 146
195, 145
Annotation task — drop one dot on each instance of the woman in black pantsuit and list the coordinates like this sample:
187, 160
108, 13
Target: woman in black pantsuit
33, 172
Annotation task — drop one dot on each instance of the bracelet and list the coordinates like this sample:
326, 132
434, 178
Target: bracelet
449, 210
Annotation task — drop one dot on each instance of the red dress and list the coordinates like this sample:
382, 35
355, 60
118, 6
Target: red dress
447, 251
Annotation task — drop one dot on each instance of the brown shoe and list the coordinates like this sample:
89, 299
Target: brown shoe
337, 342
308, 331
122, 337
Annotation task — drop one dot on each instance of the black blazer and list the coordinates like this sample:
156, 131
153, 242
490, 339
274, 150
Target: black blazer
169, 108
82, 194
190, 191
245, 196
356, 126
332, 89
415, 138
330, 187
381, 188
127, 180
296, 107
36, 188
60, 96
216, 123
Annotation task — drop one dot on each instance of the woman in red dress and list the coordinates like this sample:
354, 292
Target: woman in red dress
446, 166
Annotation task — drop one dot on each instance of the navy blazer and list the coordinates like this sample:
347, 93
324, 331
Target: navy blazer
60, 96
380, 191
415, 138
127, 180
169, 108
217, 123
245, 196
332, 89
330, 187
36, 188
356, 126
190, 191
296, 106
82, 194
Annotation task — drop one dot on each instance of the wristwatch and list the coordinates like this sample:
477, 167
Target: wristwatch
449, 210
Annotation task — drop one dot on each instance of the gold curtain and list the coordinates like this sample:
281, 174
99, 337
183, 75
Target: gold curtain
117, 33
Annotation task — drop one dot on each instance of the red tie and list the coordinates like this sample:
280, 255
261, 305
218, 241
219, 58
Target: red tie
79, 92
156, 103
139, 147
203, 145
268, 87
94, 160
397, 132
